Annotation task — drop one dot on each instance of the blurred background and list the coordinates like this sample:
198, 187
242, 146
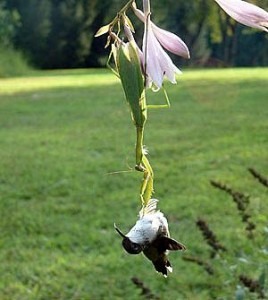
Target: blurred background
53, 34
67, 156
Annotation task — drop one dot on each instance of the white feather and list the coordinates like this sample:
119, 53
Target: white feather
149, 208
150, 223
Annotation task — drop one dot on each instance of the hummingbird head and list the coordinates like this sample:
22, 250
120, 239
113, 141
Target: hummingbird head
129, 246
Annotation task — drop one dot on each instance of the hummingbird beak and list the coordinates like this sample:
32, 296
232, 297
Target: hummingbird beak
119, 231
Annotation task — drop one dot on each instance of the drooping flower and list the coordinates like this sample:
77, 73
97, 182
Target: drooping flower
245, 13
157, 63
167, 39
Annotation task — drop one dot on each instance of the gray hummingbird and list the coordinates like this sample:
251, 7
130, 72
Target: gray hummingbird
150, 235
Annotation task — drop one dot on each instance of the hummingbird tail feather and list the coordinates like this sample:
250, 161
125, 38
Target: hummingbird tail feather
162, 266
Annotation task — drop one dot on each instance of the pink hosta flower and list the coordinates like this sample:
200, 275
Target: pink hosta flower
157, 63
167, 39
245, 13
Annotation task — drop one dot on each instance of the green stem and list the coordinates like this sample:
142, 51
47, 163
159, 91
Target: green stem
126, 7
121, 12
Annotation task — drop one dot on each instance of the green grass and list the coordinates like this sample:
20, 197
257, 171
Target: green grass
63, 133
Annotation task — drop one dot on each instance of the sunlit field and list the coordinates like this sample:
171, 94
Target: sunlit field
67, 175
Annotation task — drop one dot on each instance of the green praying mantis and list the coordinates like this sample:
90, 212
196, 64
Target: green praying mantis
130, 73
133, 82
128, 68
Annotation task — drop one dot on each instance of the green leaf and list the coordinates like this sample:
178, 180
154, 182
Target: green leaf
128, 22
102, 30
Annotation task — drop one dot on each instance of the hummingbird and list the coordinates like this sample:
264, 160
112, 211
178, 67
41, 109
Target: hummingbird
150, 235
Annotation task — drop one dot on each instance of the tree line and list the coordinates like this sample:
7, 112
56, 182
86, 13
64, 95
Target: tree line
60, 33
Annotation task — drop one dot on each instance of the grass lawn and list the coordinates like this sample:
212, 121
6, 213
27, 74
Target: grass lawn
64, 136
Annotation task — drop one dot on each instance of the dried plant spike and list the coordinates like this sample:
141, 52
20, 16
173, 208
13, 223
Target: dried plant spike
238, 197
209, 236
145, 291
252, 285
263, 180
208, 268
242, 203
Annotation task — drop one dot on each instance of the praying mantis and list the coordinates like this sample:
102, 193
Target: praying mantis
129, 71
133, 78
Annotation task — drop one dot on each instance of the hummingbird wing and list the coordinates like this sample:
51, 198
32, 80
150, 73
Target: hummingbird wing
164, 243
